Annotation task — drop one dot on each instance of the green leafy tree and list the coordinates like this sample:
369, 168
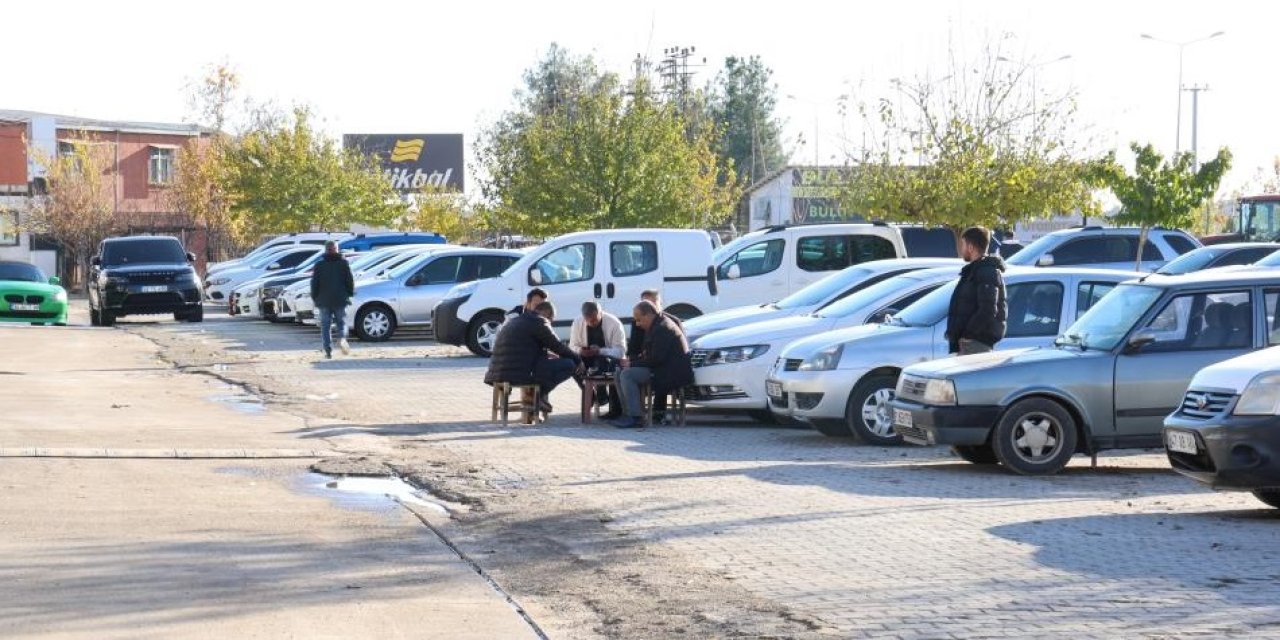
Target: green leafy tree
283, 178
981, 146
78, 210
1163, 192
442, 211
604, 155
741, 104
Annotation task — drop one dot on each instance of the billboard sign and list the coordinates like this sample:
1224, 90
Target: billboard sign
413, 161
815, 196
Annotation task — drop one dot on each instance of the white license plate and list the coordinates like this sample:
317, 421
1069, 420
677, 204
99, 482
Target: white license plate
902, 417
1181, 442
154, 288
774, 389
25, 307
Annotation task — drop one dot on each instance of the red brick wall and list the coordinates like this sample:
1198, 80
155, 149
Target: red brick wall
13, 153
131, 152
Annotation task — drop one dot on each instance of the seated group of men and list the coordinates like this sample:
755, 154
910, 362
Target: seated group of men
527, 351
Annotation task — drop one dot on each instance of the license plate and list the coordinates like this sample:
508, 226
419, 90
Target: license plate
902, 417
25, 307
774, 389
1181, 442
154, 288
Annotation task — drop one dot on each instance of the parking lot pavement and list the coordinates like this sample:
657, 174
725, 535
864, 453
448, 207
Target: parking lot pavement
863, 541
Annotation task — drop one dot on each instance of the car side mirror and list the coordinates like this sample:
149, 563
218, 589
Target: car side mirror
1139, 340
415, 281
535, 275
273, 266
55, 280
1045, 260
96, 261
734, 272
882, 316
191, 257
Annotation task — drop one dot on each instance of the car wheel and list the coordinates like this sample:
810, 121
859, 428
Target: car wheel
1269, 496
763, 416
483, 332
976, 453
196, 315
1036, 437
867, 414
683, 311
106, 318
95, 318
375, 323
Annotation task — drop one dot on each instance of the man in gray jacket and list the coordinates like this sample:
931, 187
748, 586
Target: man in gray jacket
331, 288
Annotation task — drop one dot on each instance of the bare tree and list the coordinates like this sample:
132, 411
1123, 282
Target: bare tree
78, 209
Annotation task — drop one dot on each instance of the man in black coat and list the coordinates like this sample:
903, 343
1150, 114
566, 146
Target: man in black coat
977, 317
663, 363
520, 354
636, 342
331, 288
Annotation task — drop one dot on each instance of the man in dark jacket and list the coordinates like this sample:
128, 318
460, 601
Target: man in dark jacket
663, 363
636, 342
331, 288
520, 354
977, 317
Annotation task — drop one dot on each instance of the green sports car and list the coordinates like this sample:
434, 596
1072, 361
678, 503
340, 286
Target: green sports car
26, 295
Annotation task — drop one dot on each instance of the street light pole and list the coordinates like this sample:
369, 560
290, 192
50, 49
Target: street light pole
1182, 47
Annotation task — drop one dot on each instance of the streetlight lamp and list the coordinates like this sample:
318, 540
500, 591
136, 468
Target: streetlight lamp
815, 124
1177, 140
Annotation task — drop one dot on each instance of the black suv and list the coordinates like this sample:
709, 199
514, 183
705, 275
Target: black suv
143, 275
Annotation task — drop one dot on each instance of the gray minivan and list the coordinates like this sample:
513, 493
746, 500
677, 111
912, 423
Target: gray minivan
1107, 383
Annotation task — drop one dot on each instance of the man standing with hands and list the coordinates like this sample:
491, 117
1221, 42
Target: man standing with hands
331, 288
977, 317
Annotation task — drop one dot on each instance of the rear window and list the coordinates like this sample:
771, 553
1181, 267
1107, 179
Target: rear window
1179, 243
929, 243
149, 251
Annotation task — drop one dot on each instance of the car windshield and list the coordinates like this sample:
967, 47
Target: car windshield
261, 263
157, 251
1110, 319
870, 296
1028, 255
719, 255
824, 288
20, 272
1191, 261
927, 311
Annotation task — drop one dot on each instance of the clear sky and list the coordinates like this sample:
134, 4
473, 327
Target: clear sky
439, 67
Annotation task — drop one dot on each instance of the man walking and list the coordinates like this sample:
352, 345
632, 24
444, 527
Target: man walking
331, 288
663, 363
977, 316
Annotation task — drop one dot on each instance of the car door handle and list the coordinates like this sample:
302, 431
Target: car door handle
597, 290
611, 290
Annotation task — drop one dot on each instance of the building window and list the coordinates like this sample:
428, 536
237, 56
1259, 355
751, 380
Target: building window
161, 165
8, 228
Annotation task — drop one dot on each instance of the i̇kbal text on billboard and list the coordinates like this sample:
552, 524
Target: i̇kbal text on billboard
413, 161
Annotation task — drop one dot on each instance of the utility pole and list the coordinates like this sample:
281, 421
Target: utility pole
1177, 141
1195, 90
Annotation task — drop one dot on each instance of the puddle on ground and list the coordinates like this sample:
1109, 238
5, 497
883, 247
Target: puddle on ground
372, 493
238, 399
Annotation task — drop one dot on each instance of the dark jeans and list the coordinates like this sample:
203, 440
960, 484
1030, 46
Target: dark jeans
548, 373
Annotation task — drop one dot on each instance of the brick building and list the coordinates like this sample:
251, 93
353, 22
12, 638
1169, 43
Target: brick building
142, 157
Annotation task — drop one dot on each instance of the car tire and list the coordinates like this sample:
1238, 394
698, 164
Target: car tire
976, 453
683, 311
375, 323
106, 318
196, 315
1035, 437
482, 332
1270, 496
867, 414
95, 317
763, 416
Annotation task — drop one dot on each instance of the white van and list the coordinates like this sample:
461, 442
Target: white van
610, 266
772, 263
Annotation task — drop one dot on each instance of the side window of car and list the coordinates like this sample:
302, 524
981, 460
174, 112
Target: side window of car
572, 263
1089, 293
493, 266
868, 248
906, 301
1080, 251
1035, 309
1179, 243
822, 253
1273, 316
294, 259
632, 258
1245, 256
756, 259
1198, 321
440, 271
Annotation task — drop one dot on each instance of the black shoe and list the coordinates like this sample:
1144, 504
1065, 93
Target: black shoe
627, 423
544, 406
612, 415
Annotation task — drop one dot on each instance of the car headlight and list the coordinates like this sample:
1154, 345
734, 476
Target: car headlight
61, 295
733, 355
219, 281
939, 391
824, 360
117, 281
1261, 397
464, 290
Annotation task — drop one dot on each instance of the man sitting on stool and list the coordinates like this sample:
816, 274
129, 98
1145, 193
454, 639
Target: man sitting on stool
597, 337
663, 364
520, 354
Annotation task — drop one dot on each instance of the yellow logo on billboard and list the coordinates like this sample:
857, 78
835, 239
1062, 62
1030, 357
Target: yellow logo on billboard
407, 150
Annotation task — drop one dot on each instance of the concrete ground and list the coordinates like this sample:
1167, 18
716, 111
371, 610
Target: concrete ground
139, 501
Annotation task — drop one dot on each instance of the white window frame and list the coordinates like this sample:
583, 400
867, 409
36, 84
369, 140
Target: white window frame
160, 164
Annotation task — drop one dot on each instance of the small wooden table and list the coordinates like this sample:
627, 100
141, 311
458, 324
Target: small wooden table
591, 386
